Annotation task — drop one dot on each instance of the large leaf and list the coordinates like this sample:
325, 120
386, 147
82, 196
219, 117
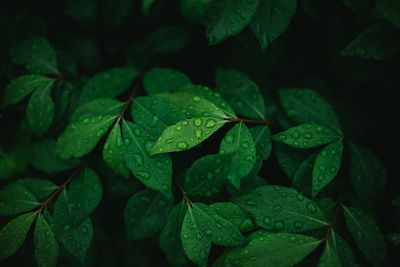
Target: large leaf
305, 105
186, 134
15, 199
22, 86
46, 246
281, 208
241, 93
262, 139
239, 141
326, 166
109, 83
306, 135
145, 214
271, 19
13, 234
40, 111
38, 187
367, 174
164, 80
156, 171
114, 151
233, 214
272, 249
201, 226
367, 235
226, 18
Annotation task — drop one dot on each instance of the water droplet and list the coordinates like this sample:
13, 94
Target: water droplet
211, 123
198, 122
311, 207
182, 145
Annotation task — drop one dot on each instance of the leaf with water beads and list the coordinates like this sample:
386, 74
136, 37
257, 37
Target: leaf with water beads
279, 208
108, 84
233, 214
113, 151
46, 246
326, 166
225, 18
186, 134
22, 86
306, 135
367, 235
262, 139
302, 179
241, 93
40, 188
40, 111
15, 199
156, 171
164, 80
289, 158
271, 19
272, 249
239, 141
201, 226
13, 234
146, 213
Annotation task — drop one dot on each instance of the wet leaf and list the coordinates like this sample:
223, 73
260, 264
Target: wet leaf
114, 151
40, 188
262, 139
40, 111
233, 214
15, 199
46, 247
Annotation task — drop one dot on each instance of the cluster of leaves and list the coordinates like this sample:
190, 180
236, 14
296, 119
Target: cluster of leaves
128, 127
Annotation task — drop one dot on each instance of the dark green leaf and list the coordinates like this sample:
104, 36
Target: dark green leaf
146, 5
164, 80
233, 214
114, 12
289, 159
262, 139
390, 10
38, 187
46, 246
15, 199
168, 40
40, 112
302, 179
194, 10
114, 151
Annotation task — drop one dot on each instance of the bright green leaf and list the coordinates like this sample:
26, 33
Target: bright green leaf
15, 199
40, 111
46, 246
114, 151
164, 80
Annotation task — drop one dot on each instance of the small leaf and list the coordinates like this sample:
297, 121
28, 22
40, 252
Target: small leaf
108, 84
306, 135
113, 151
241, 93
46, 247
170, 236
186, 134
164, 80
262, 139
40, 111
227, 18
367, 174
15, 199
289, 159
239, 141
272, 249
155, 172
271, 19
40, 188
13, 234
390, 10
367, 235
326, 166
304, 105
279, 208
233, 214
145, 214
201, 226
22, 86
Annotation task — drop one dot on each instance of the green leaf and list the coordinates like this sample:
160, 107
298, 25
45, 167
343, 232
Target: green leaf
13, 234
186, 134
159, 81
88, 125
289, 159
15, 199
201, 226
155, 172
302, 179
271, 19
40, 111
39, 188
337, 253
239, 140
7, 165
207, 175
262, 139
241, 93
109, 83
306, 135
37, 55
155, 114
114, 12
46, 246
114, 151
45, 158
145, 214
227, 18
367, 174
194, 10
377, 42
146, 5
390, 11
279, 208
367, 235
272, 249
170, 236
305, 105
75, 237
22, 86
168, 40
326, 166
233, 214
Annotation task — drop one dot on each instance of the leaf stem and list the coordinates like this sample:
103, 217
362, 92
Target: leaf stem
332, 224
184, 195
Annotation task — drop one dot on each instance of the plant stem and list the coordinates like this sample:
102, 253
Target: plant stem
130, 98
